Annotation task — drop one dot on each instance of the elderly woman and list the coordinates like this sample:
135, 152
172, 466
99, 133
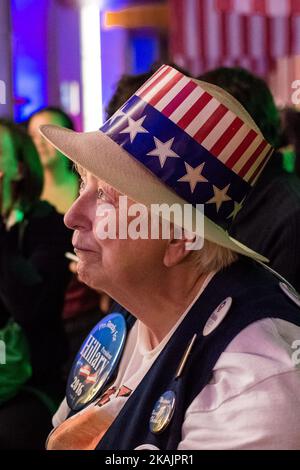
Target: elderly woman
211, 360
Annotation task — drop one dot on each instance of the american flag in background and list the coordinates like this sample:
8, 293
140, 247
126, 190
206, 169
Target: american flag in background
256, 34
262, 7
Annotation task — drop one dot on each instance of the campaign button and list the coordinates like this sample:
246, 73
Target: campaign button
96, 361
162, 412
217, 316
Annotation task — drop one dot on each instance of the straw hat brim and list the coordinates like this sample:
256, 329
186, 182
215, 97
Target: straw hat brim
105, 159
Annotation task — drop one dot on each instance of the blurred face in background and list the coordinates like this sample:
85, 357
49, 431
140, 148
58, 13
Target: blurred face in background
48, 154
9, 171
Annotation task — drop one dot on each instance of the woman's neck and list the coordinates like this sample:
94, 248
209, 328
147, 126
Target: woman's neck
60, 187
57, 174
169, 299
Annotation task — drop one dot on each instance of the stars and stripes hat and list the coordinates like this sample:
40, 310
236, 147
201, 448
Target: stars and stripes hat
176, 140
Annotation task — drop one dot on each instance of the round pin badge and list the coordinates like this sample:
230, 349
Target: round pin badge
290, 292
96, 361
162, 412
217, 316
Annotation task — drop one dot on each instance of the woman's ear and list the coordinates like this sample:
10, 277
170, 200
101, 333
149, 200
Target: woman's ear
175, 252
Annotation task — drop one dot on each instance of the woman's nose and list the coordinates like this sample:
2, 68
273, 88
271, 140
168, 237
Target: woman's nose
78, 216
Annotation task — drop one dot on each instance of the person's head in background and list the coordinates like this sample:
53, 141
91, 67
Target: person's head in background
129, 84
49, 115
21, 172
254, 94
61, 183
125, 88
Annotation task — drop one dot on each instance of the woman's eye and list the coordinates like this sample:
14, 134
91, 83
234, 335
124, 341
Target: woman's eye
100, 194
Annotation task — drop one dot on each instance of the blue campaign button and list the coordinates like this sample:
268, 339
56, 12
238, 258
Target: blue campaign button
96, 361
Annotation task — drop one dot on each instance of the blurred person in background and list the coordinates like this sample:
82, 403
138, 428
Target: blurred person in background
34, 275
129, 83
60, 181
270, 220
83, 306
125, 87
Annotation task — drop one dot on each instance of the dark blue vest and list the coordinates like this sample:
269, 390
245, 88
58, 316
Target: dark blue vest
256, 295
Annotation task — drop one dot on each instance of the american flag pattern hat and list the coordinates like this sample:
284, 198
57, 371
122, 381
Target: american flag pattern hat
176, 140
192, 142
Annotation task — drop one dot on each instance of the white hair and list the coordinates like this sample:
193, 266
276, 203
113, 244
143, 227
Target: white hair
213, 257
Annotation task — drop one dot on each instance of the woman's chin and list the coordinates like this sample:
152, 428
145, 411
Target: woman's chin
88, 274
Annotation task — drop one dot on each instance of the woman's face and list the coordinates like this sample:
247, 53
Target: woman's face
48, 154
9, 171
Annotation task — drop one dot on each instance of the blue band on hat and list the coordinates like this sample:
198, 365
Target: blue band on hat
171, 169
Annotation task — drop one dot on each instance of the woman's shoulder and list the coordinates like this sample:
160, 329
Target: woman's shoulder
44, 221
41, 209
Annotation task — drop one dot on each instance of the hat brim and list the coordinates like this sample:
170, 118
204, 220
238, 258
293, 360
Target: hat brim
105, 159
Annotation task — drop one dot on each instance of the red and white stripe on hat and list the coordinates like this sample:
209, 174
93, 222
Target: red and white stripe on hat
209, 122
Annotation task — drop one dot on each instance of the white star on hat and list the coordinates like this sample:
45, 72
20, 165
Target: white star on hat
163, 150
193, 175
134, 128
220, 196
237, 207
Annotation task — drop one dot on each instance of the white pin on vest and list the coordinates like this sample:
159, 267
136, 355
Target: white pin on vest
217, 316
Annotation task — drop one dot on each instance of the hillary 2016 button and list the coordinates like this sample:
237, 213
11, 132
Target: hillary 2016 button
162, 412
96, 361
290, 292
217, 316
